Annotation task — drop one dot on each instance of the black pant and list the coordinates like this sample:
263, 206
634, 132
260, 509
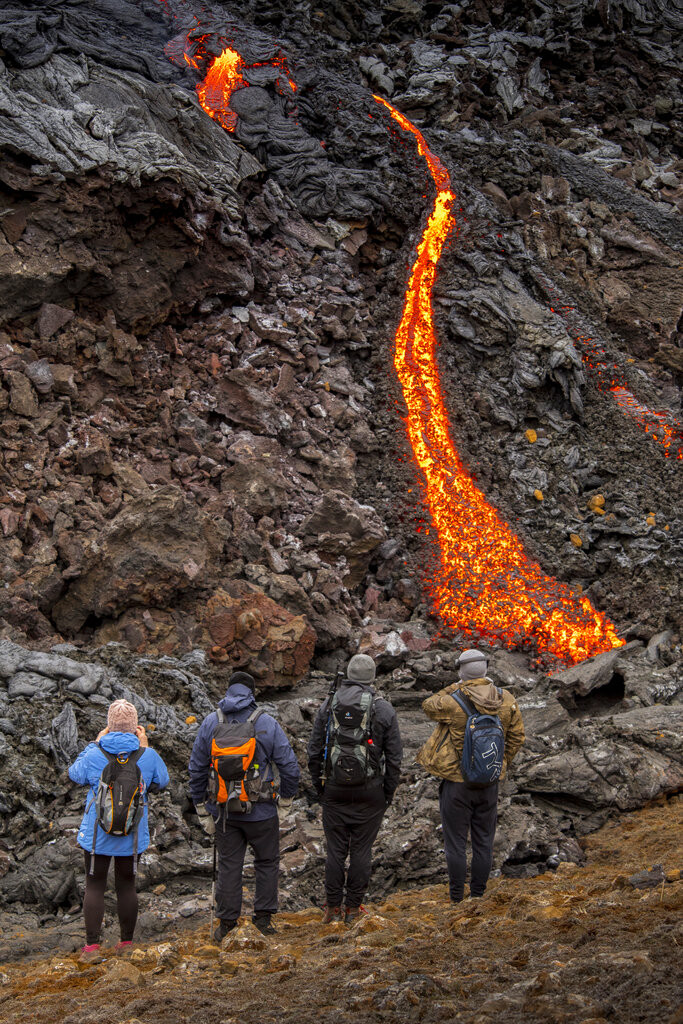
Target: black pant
466, 810
231, 845
352, 816
126, 896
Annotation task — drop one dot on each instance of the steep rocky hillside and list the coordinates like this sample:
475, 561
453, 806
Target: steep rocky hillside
593, 944
197, 326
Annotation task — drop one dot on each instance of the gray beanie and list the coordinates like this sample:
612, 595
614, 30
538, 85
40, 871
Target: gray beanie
472, 665
361, 669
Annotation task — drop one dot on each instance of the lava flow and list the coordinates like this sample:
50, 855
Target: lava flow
487, 584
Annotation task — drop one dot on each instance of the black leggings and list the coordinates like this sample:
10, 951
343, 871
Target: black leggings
126, 896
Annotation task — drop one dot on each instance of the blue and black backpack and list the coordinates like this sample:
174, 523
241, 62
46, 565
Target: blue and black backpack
483, 749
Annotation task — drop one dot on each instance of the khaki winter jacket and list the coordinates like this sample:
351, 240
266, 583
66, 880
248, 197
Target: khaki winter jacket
442, 752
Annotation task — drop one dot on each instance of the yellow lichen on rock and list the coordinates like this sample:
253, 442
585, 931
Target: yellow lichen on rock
531, 435
538, 495
576, 540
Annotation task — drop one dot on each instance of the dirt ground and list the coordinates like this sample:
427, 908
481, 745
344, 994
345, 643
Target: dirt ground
588, 944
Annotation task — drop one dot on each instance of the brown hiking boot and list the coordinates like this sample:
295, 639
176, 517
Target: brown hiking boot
353, 914
331, 914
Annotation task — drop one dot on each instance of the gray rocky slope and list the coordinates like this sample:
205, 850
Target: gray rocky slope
201, 444
603, 738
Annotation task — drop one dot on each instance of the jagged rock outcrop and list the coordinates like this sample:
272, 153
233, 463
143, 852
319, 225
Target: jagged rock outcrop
588, 755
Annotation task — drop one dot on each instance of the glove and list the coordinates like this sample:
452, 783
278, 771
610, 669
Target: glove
206, 820
284, 806
388, 798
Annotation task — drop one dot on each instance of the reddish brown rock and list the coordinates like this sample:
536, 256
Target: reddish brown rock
259, 635
51, 319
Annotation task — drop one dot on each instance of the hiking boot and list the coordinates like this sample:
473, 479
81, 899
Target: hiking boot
223, 928
331, 914
263, 923
353, 914
91, 954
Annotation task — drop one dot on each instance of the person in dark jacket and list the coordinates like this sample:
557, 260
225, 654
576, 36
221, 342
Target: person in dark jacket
353, 812
123, 735
257, 828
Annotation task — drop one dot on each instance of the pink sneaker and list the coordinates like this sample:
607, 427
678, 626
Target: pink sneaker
124, 946
91, 954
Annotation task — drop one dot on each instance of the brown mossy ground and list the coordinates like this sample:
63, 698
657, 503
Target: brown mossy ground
581, 945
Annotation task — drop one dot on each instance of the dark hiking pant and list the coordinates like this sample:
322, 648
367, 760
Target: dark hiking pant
466, 810
126, 896
351, 820
231, 845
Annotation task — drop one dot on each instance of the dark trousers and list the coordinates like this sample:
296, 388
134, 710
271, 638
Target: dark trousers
351, 820
231, 845
93, 900
466, 810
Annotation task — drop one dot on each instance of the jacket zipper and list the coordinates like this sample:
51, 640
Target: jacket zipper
443, 740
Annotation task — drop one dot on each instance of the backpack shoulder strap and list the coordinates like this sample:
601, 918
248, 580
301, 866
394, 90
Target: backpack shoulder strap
464, 703
256, 714
220, 716
137, 754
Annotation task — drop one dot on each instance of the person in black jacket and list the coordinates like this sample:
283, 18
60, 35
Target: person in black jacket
354, 757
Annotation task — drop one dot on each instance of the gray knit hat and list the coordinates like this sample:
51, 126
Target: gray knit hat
361, 669
472, 664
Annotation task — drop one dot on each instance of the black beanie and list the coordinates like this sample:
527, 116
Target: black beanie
243, 679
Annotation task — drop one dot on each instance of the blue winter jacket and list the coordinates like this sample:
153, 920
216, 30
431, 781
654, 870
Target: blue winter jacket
86, 771
272, 747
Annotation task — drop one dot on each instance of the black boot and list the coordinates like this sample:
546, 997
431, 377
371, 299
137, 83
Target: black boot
223, 928
263, 923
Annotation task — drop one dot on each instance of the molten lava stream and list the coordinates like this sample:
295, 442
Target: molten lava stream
486, 583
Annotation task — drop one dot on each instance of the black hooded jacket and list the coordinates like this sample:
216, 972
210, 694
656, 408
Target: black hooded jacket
384, 730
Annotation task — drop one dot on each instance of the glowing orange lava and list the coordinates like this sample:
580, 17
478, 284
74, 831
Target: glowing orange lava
487, 584
222, 79
661, 426
225, 74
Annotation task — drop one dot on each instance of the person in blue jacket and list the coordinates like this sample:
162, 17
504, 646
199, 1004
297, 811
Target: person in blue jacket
259, 827
122, 735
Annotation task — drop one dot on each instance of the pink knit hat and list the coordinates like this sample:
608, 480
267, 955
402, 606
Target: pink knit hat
122, 717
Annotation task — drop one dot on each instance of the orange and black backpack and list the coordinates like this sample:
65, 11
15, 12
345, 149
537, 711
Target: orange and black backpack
236, 780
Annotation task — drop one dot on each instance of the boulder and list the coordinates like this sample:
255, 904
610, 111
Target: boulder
340, 528
151, 552
253, 633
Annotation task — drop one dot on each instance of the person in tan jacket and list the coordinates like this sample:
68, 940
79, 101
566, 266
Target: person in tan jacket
464, 809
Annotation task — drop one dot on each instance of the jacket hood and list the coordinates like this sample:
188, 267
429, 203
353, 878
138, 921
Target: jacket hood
120, 742
483, 694
355, 682
238, 698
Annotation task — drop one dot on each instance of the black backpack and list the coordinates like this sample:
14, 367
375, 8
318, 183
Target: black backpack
351, 759
119, 800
